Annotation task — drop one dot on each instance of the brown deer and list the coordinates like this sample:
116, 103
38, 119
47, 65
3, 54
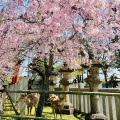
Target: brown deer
57, 103
31, 101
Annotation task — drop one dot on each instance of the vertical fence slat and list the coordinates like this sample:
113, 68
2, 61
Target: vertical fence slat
104, 104
101, 103
114, 109
117, 101
106, 107
85, 104
74, 99
82, 104
89, 107
79, 103
70, 96
110, 107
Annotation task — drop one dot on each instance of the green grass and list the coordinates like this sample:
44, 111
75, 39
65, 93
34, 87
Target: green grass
47, 113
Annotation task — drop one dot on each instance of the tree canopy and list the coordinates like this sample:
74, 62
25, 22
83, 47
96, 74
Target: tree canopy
65, 28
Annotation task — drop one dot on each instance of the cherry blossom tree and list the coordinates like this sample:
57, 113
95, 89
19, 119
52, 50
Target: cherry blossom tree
50, 20
65, 28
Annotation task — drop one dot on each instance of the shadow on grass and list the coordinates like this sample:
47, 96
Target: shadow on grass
47, 112
79, 115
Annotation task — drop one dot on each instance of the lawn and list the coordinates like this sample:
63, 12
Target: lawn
47, 113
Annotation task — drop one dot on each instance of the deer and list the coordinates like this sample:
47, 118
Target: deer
57, 103
31, 101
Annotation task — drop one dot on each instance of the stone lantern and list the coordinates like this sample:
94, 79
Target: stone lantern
93, 80
65, 71
52, 82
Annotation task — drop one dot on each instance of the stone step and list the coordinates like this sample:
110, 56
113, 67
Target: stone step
8, 110
4, 118
9, 105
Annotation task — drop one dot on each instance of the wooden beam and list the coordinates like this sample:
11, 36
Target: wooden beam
28, 117
65, 92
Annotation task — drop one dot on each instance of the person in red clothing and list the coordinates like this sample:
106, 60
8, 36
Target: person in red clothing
15, 73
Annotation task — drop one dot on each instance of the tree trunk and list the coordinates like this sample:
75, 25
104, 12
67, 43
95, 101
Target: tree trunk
105, 76
43, 87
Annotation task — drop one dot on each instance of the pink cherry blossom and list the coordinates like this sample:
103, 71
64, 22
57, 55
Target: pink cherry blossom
43, 23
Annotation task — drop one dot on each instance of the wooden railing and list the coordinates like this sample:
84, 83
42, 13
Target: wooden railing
109, 101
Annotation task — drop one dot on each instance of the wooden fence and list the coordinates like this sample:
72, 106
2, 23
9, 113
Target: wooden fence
109, 103
80, 98
22, 84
